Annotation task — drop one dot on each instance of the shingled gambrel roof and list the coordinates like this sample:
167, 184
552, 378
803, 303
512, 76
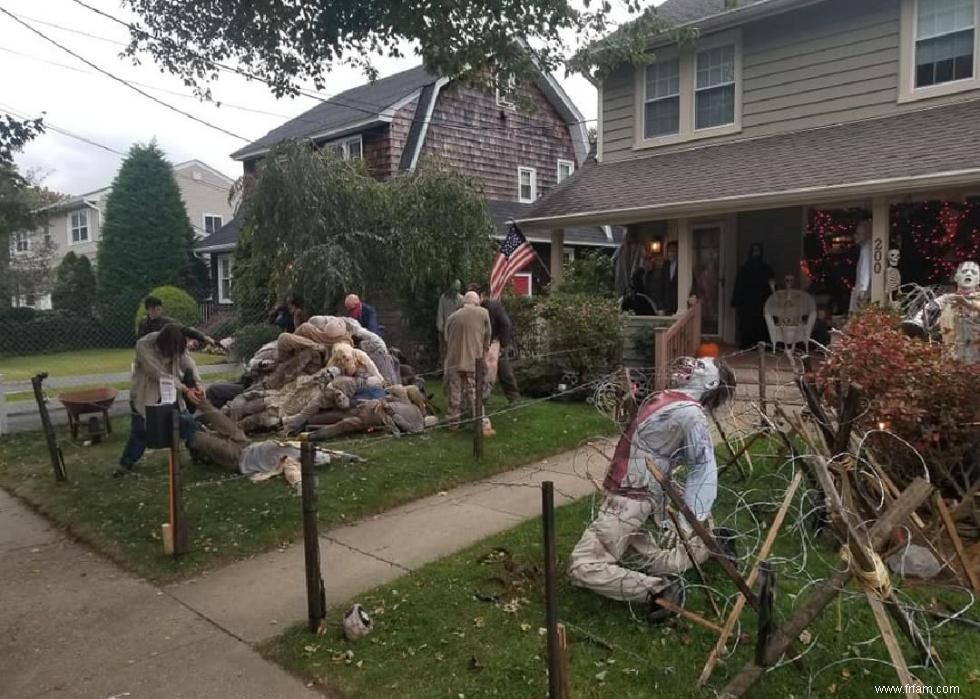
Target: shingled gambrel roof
348, 110
900, 153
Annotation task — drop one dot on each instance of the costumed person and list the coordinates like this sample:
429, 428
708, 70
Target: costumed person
669, 429
467, 340
362, 312
161, 364
862, 275
667, 296
754, 283
294, 306
450, 301
501, 335
154, 320
957, 315
637, 298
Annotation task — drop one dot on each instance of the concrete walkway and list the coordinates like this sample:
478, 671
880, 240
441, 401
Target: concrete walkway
75, 626
78, 627
257, 598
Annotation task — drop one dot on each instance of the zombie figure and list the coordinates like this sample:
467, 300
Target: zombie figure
957, 315
618, 556
893, 278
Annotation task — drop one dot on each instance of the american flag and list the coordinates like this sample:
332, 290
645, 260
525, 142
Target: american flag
514, 254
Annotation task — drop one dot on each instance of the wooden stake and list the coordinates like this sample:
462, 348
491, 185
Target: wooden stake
957, 542
316, 603
178, 522
763, 553
905, 677
565, 687
478, 378
762, 377
689, 615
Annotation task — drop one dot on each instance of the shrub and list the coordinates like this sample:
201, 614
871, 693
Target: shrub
524, 318
221, 326
59, 331
74, 286
585, 333
177, 304
589, 273
249, 338
912, 392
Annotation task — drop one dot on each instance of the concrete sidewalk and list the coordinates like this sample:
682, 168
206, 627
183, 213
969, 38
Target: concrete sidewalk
76, 626
256, 599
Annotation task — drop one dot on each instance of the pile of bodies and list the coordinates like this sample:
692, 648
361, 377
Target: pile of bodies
330, 377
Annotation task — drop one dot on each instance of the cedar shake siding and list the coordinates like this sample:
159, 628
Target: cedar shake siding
470, 133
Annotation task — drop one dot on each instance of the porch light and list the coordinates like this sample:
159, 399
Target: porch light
656, 246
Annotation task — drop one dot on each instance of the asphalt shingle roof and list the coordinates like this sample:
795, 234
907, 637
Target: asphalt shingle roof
226, 236
346, 109
681, 11
911, 144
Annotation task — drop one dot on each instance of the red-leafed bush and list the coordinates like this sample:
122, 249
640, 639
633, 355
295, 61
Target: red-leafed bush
913, 392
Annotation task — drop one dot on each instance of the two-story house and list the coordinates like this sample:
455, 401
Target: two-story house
516, 142
75, 223
780, 110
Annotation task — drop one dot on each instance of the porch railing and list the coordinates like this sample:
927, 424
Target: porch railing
208, 309
679, 340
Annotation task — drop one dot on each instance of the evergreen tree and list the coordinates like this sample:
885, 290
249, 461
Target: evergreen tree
74, 286
145, 241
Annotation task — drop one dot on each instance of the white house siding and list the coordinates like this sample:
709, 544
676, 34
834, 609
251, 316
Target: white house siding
824, 64
203, 192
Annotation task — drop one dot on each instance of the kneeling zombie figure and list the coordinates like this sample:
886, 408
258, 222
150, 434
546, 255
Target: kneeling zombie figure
670, 428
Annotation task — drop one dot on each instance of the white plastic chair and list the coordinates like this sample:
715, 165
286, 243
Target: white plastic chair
790, 316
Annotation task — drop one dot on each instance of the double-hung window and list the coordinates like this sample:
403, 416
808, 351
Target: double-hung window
714, 94
224, 278
212, 223
945, 41
527, 184
662, 101
22, 242
565, 170
78, 227
347, 149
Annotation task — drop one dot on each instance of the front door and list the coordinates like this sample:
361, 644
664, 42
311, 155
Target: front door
706, 276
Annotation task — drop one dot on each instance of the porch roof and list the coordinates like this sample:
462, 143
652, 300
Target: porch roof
929, 148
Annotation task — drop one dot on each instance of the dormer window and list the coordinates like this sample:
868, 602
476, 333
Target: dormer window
506, 87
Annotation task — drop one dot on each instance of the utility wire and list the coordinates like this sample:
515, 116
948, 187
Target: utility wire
120, 80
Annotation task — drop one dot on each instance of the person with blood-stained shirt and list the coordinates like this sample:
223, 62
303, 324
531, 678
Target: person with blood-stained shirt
669, 429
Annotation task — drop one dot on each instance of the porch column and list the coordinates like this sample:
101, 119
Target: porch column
880, 215
557, 245
685, 262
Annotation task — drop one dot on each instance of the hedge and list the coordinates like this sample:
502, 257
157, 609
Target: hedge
26, 331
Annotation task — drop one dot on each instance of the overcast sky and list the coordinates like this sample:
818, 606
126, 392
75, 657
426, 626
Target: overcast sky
37, 77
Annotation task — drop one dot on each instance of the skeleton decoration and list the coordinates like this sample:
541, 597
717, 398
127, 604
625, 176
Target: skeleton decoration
957, 315
893, 278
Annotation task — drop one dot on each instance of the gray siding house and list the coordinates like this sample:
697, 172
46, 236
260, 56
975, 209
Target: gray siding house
778, 109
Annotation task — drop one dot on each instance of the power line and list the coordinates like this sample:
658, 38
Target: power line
215, 103
120, 80
375, 108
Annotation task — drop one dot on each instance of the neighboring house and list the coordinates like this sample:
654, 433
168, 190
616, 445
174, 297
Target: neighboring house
515, 153
779, 108
75, 223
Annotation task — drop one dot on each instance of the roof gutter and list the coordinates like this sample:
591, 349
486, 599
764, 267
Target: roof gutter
805, 196
741, 15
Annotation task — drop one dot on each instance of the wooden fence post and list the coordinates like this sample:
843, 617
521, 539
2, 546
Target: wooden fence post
178, 522
762, 377
550, 593
479, 376
316, 602
3, 408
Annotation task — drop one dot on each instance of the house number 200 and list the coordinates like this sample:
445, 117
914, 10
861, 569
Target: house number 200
879, 255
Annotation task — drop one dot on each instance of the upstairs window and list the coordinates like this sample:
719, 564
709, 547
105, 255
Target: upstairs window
347, 149
662, 101
527, 184
212, 223
945, 41
565, 170
78, 227
22, 242
714, 95
506, 86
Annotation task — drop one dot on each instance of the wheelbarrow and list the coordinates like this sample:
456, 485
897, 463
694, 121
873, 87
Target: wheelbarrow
89, 402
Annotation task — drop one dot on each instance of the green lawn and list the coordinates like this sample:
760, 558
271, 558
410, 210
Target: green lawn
77, 363
231, 519
434, 637
52, 393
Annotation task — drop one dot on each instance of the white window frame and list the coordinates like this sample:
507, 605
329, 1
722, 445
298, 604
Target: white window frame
230, 257
567, 255
15, 243
664, 57
907, 91
688, 83
534, 185
504, 98
530, 282
733, 84
344, 145
570, 164
71, 228
204, 221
